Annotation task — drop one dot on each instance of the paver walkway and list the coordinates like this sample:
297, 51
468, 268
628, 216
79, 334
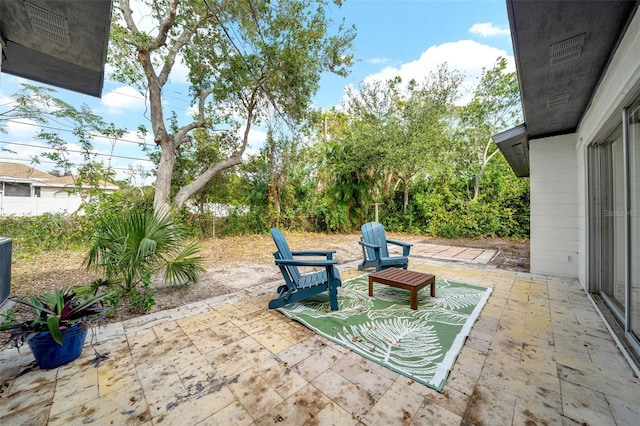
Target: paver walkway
538, 354
444, 252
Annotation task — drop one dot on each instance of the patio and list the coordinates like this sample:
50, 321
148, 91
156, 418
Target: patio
539, 354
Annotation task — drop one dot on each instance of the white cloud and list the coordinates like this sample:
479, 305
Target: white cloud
466, 56
377, 61
123, 98
192, 111
179, 72
132, 135
487, 29
4, 100
257, 138
22, 154
22, 128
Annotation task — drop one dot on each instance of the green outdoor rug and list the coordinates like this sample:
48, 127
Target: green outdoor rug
422, 344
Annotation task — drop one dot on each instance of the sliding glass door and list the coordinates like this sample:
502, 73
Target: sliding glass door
608, 220
632, 118
613, 166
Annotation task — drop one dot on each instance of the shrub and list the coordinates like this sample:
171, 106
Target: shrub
132, 248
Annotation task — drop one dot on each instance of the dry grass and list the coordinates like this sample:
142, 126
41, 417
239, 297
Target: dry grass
232, 263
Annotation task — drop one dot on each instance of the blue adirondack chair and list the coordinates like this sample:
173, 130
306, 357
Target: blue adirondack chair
375, 249
300, 286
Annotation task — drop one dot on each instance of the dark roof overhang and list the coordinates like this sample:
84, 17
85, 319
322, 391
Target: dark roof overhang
514, 145
56, 42
562, 49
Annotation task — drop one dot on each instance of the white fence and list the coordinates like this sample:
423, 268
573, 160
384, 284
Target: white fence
36, 206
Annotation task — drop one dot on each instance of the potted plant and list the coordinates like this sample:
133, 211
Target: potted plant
55, 326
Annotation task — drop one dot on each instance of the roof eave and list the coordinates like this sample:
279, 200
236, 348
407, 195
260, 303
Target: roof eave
514, 145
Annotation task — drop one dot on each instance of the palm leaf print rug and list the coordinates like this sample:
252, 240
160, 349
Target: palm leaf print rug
422, 344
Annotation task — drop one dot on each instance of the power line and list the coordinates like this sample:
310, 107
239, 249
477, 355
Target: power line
75, 151
50, 162
117, 92
242, 56
58, 129
94, 135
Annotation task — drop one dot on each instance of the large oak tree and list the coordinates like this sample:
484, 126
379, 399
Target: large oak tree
245, 58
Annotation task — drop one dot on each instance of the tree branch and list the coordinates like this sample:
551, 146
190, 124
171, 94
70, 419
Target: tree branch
166, 24
170, 60
181, 136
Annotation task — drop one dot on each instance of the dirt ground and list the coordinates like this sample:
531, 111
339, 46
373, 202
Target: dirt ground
234, 263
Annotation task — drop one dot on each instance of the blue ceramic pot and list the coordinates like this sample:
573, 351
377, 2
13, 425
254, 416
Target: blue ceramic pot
49, 354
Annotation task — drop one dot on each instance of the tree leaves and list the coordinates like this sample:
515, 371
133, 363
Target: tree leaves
243, 59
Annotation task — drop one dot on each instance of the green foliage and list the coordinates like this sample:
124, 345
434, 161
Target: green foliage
105, 207
52, 312
80, 127
34, 234
137, 245
332, 218
495, 107
271, 61
142, 298
408, 146
46, 232
239, 223
113, 294
442, 208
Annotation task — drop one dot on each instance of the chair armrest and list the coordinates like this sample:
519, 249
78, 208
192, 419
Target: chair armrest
326, 253
294, 262
399, 243
373, 246
406, 247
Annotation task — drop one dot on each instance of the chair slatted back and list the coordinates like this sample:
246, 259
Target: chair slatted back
373, 233
291, 273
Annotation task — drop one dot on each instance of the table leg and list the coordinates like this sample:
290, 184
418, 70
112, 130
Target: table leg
370, 287
433, 288
414, 298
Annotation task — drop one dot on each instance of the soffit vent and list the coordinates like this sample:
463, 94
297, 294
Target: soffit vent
566, 50
553, 125
48, 25
558, 100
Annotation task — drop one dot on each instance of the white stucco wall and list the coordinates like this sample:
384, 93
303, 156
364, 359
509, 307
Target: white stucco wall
554, 206
617, 89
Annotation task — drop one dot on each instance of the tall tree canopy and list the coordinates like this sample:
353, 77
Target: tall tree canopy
395, 131
244, 57
495, 106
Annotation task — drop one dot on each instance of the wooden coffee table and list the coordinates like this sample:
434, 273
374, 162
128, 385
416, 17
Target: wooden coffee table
407, 280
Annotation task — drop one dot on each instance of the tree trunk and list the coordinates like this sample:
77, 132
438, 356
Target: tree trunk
162, 198
387, 182
476, 184
484, 160
405, 201
188, 190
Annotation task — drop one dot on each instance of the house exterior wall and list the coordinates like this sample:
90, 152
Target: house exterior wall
49, 192
554, 206
618, 87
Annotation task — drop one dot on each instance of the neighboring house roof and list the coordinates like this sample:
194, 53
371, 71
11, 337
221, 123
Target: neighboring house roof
562, 50
16, 172
61, 43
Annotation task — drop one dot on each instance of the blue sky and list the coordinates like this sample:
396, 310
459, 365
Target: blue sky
406, 38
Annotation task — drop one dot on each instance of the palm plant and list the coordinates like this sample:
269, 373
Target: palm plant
132, 248
52, 312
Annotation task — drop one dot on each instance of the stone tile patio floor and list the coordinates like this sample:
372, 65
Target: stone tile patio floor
538, 354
